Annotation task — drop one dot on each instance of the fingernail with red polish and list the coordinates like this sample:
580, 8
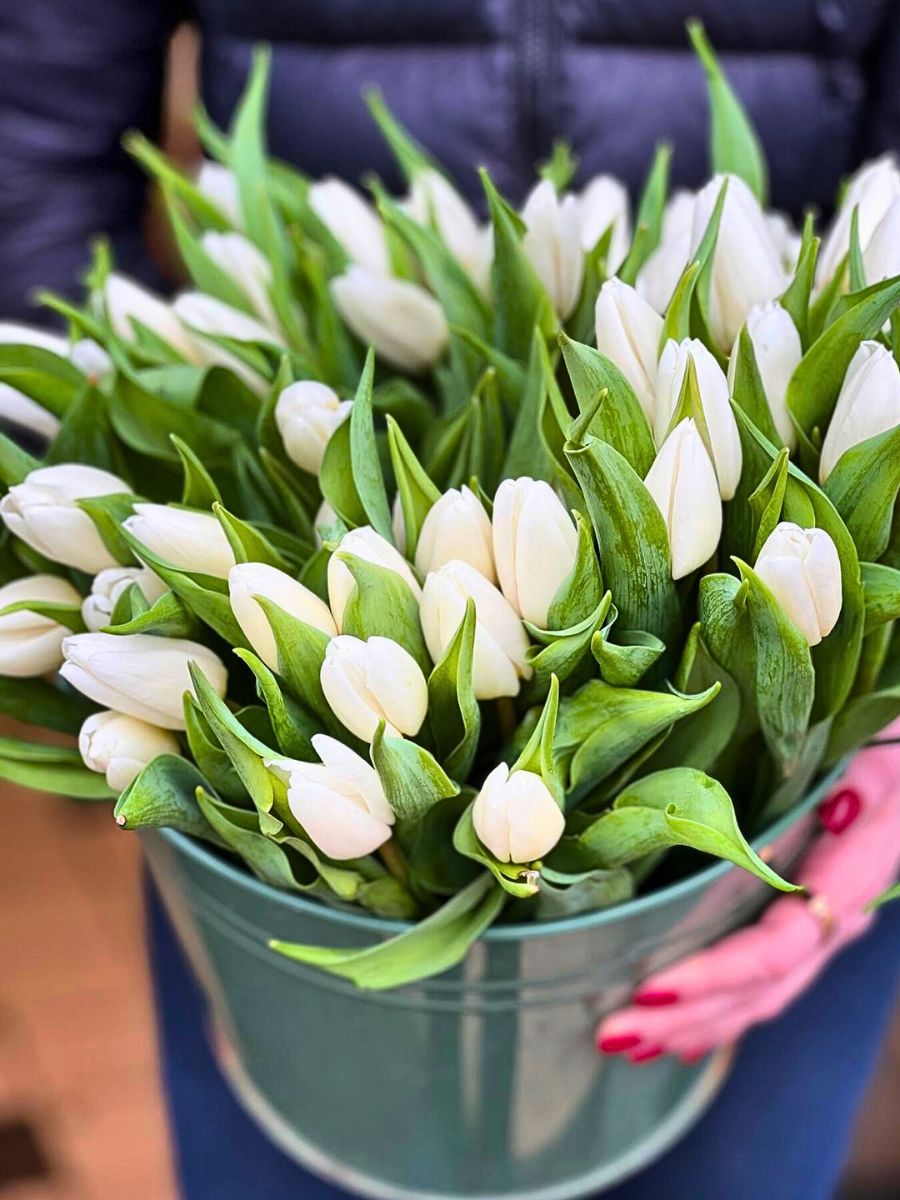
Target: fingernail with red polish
840, 810
616, 1043
646, 1054
655, 998
693, 1056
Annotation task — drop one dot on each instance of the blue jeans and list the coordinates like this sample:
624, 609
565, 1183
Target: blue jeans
780, 1128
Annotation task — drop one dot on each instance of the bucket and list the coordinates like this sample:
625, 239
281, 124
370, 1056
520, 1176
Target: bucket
483, 1082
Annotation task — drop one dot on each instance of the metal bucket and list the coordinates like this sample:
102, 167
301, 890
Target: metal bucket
483, 1082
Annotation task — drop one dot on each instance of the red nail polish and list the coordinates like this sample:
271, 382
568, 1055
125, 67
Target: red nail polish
616, 1043
646, 1054
655, 998
840, 810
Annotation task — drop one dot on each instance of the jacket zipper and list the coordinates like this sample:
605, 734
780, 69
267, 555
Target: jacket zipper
536, 43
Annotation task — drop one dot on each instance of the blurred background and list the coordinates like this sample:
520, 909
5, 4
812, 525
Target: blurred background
81, 1114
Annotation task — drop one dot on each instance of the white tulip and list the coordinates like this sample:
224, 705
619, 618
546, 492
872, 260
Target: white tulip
246, 581
746, 265
456, 526
247, 266
372, 681
714, 399
182, 538
220, 185
43, 511
433, 198
535, 546
108, 588
776, 346
307, 414
364, 543
12, 333
339, 801
872, 189
119, 746
404, 323
785, 238
516, 817
139, 674
398, 524
499, 659
802, 570
628, 333
881, 257
126, 302
868, 403
208, 319
658, 277
682, 482
90, 358
604, 203
352, 222
19, 409
325, 518
31, 644
552, 243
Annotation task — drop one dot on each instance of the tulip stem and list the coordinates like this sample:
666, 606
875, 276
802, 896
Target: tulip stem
393, 859
506, 711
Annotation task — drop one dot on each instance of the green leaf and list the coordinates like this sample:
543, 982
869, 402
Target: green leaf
767, 502
412, 779
563, 894
855, 262
411, 156
382, 605
48, 705
860, 720
648, 223
108, 514
57, 778
15, 463
580, 594
168, 617
885, 897
863, 488
561, 166
526, 454
301, 652
145, 422
201, 208
795, 300
164, 796
248, 153
560, 652
267, 860
454, 718
539, 753
428, 948
51, 381
293, 726
623, 662
199, 490
881, 588
747, 389
215, 765
68, 615
247, 542
416, 491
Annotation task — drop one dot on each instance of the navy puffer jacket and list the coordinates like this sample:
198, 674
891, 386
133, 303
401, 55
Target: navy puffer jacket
479, 81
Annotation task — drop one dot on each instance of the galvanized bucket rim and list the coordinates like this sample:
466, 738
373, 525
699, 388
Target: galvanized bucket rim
522, 931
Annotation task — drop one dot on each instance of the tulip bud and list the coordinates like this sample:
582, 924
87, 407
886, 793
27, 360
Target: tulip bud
499, 658
535, 546
247, 266
868, 403
207, 315
872, 189
552, 243
307, 414
404, 323
604, 203
220, 185
339, 801
683, 484
516, 817
182, 538
248, 580
373, 681
434, 199
628, 333
658, 277
881, 257
119, 746
139, 674
19, 409
31, 644
352, 222
91, 359
126, 302
42, 510
456, 526
802, 570
746, 265
785, 239
714, 400
776, 345
12, 333
325, 518
109, 586
364, 543
398, 524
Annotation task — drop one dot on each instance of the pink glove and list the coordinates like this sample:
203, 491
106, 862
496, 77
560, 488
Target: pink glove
715, 996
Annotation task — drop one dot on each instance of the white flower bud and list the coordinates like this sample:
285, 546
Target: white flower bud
658, 277
456, 526
499, 658
715, 402
248, 580
13, 333
434, 199
516, 817
552, 243
535, 546
868, 403
182, 538
604, 203
126, 302
139, 674
398, 524
247, 266
352, 222
339, 801
628, 333
19, 409
372, 681
404, 323
307, 414
324, 519
31, 644
91, 359
881, 257
683, 484
119, 746
364, 543
42, 510
109, 586
802, 570
776, 345
872, 189
220, 185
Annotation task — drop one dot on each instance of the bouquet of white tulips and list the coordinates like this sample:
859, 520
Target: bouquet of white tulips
461, 572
